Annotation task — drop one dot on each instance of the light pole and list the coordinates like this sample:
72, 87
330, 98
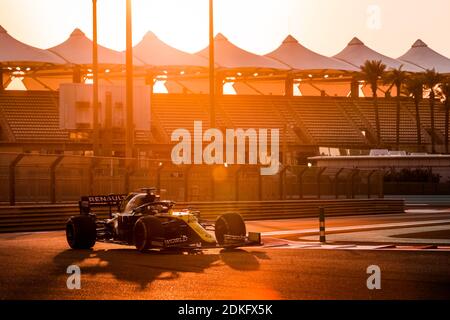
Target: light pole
96, 133
129, 147
212, 84
1, 79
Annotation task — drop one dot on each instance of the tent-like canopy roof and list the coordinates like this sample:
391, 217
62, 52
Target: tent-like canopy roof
300, 58
425, 57
17, 54
357, 53
229, 56
155, 53
77, 50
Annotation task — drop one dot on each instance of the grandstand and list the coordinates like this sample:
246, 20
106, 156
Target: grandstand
30, 118
30, 121
318, 103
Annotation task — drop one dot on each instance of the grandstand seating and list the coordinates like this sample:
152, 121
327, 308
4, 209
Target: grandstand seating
303, 121
326, 122
171, 112
256, 112
32, 116
425, 117
356, 118
388, 114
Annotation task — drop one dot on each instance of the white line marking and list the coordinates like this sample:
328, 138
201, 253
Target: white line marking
389, 236
357, 227
353, 247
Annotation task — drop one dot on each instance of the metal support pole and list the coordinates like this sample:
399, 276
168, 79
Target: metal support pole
319, 176
95, 125
354, 88
76, 75
282, 183
129, 169
300, 182
12, 179
53, 167
213, 184
2, 87
91, 180
107, 135
260, 185
336, 182
348, 185
369, 181
285, 147
219, 79
212, 84
186, 183
381, 185
289, 86
322, 225
158, 177
352, 182
236, 183
129, 87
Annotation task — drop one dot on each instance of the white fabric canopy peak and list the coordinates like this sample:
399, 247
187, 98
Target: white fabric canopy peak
229, 56
77, 50
423, 56
300, 58
156, 53
14, 53
357, 53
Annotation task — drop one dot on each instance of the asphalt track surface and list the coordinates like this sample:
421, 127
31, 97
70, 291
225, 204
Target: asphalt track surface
34, 265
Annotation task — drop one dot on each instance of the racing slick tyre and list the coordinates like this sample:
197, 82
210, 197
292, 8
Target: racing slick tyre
81, 232
231, 224
146, 230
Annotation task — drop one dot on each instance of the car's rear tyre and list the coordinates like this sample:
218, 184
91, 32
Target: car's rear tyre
81, 232
231, 224
146, 230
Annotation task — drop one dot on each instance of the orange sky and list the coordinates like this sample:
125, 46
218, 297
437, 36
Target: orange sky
255, 25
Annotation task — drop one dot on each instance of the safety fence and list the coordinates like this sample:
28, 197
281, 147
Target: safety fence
54, 217
36, 178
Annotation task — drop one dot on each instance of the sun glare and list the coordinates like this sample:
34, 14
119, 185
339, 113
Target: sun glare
160, 87
16, 84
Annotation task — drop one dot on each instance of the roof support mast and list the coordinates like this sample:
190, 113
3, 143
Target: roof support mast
129, 86
212, 82
1, 79
96, 133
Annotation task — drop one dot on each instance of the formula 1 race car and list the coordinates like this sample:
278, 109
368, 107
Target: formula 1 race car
147, 222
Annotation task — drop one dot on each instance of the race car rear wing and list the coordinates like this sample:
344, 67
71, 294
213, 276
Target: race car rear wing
87, 202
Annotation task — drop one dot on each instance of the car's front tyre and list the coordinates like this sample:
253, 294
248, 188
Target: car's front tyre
146, 230
229, 224
81, 232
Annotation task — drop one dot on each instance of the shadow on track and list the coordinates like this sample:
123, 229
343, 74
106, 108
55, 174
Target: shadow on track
242, 260
143, 268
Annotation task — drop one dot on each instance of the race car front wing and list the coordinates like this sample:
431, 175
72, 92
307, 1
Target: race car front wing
253, 239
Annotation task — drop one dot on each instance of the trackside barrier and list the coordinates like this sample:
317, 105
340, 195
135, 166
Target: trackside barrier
54, 217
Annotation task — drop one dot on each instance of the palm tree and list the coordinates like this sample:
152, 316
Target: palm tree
397, 78
445, 93
414, 88
372, 72
431, 79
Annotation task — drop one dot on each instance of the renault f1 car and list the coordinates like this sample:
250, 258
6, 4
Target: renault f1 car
144, 220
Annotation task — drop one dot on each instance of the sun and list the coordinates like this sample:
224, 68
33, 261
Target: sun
183, 24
